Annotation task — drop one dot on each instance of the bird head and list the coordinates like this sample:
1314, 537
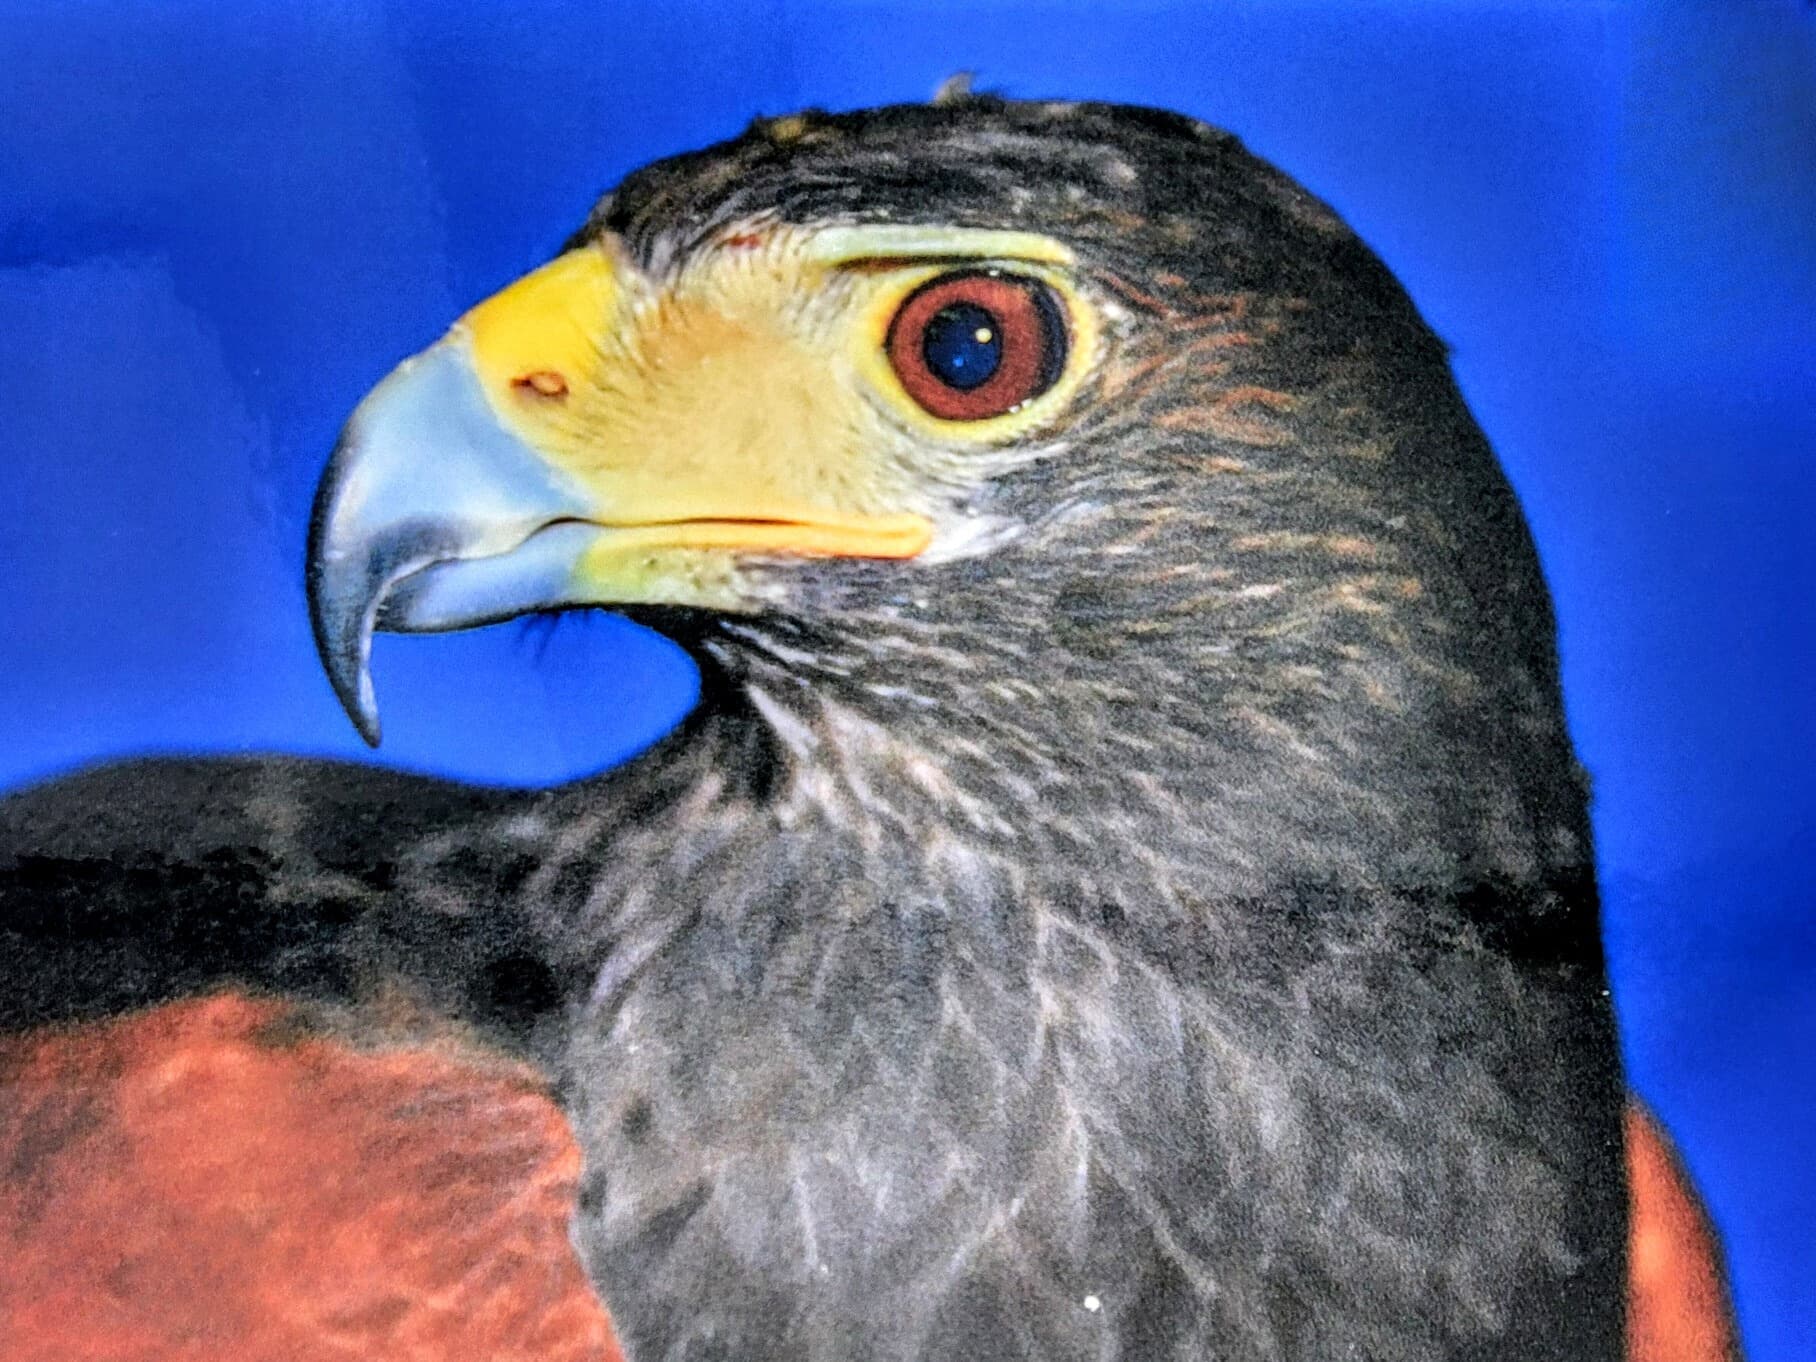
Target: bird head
1059, 384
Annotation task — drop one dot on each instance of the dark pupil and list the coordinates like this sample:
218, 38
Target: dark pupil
962, 345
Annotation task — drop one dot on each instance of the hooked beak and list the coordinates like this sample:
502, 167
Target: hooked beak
504, 470
424, 521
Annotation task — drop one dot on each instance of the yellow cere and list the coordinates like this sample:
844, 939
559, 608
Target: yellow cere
545, 323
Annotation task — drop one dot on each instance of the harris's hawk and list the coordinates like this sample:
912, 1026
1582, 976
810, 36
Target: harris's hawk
1126, 892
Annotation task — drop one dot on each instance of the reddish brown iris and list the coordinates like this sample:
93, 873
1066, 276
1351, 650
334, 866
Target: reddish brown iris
977, 344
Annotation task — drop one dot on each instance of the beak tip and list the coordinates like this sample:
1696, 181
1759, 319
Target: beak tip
365, 719
343, 642
352, 684
352, 680
423, 472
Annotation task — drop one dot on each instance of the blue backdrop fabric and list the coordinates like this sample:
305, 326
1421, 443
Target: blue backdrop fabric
219, 226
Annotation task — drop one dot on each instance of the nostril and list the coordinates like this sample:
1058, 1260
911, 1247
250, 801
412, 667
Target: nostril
542, 382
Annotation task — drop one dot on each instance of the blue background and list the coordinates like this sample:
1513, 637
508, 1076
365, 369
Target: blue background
219, 226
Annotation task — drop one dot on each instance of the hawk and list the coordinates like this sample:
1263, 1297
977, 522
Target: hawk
1126, 892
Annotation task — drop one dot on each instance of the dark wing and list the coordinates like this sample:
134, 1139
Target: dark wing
154, 880
235, 1120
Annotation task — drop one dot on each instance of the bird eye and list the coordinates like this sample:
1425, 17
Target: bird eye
978, 344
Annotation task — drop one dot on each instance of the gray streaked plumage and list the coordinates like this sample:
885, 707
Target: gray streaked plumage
1188, 904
